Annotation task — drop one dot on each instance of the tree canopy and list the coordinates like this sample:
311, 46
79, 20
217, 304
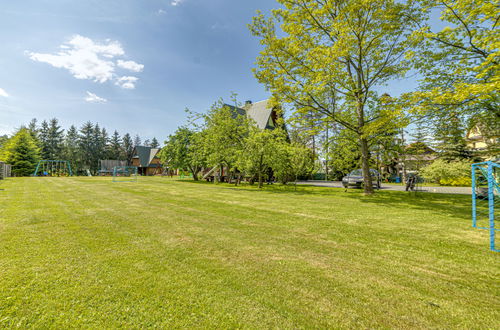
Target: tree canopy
330, 56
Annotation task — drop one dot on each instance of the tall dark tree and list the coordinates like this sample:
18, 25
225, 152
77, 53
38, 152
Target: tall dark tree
154, 143
54, 143
115, 147
137, 140
128, 147
71, 149
87, 145
450, 137
33, 128
103, 144
43, 137
147, 143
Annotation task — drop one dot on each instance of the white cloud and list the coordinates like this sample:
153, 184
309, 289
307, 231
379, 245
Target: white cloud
126, 82
87, 59
130, 65
176, 2
92, 98
161, 12
3, 93
84, 58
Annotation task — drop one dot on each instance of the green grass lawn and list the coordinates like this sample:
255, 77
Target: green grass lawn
86, 252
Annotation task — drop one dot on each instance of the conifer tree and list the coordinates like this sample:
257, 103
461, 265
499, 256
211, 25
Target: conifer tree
54, 142
128, 147
137, 140
86, 144
115, 147
450, 138
154, 143
71, 150
43, 137
22, 152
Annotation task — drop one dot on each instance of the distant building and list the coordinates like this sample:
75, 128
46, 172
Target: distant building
486, 147
147, 160
417, 155
262, 113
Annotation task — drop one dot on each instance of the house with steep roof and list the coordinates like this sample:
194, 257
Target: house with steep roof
262, 113
147, 160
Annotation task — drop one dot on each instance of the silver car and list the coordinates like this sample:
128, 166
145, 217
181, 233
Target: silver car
355, 179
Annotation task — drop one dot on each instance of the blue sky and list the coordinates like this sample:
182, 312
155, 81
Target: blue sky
130, 65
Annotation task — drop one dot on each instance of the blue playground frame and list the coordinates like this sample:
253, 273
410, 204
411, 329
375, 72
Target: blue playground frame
49, 166
487, 170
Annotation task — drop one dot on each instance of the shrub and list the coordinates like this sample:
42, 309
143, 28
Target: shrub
456, 173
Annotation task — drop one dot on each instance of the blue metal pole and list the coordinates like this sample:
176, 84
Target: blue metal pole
37, 166
491, 206
69, 167
474, 218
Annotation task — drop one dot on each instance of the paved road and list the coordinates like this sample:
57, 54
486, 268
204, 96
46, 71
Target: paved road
439, 190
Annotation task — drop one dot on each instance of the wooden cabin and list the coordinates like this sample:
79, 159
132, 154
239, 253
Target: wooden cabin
147, 160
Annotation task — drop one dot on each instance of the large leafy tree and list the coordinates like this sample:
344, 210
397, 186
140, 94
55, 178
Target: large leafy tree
291, 160
259, 152
22, 152
184, 150
460, 63
344, 155
224, 133
330, 57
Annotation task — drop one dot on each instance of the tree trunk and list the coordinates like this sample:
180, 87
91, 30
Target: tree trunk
194, 171
363, 144
261, 181
365, 161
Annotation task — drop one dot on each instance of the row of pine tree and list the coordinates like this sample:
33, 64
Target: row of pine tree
83, 147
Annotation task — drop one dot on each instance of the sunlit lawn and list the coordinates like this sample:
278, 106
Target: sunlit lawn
87, 252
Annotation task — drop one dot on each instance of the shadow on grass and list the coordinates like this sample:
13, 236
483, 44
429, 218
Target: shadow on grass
450, 204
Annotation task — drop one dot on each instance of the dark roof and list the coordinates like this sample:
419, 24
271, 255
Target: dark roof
145, 155
260, 112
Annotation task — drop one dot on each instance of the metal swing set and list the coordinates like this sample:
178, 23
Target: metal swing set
53, 168
486, 198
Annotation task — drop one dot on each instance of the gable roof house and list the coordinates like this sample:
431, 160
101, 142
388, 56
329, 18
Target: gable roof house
147, 160
262, 113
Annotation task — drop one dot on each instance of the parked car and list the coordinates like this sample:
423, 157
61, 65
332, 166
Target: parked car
355, 179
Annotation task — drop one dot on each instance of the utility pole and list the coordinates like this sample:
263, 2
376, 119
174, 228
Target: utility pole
326, 154
403, 164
